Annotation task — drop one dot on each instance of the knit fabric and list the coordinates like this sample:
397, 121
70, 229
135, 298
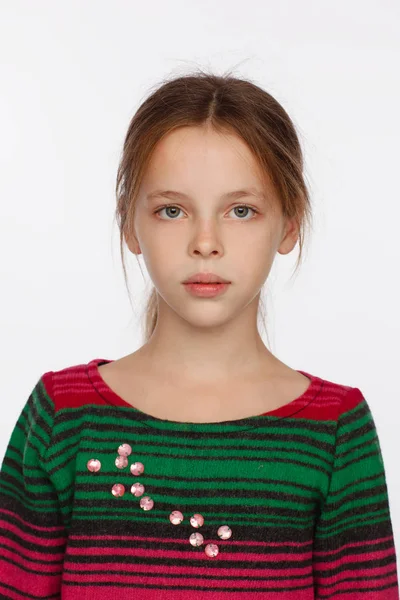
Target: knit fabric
302, 489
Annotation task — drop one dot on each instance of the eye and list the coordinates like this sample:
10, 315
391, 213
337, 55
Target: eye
175, 208
245, 206
168, 206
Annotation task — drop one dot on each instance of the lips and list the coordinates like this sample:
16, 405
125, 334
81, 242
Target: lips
205, 278
207, 290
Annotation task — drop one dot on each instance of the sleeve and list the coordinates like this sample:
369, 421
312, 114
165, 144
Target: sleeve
354, 553
32, 534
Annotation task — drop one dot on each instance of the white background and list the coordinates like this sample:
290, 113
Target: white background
73, 74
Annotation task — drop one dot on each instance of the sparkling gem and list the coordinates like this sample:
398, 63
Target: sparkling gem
211, 550
137, 468
121, 461
118, 489
196, 539
146, 503
137, 489
224, 532
176, 517
124, 450
197, 520
93, 465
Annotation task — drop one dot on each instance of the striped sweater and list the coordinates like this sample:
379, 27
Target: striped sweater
100, 500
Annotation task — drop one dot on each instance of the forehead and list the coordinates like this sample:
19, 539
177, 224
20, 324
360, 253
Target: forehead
193, 156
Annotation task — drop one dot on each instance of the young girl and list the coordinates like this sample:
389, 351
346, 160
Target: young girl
200, 465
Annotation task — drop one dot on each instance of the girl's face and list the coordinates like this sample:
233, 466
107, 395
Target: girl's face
206, 230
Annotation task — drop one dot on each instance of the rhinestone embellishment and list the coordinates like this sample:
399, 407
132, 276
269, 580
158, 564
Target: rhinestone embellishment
118, 489
146, 503
196, 539
121, 462
125, 450
224, 532
137, 489
176, 517
197, 520
211, 550
93, 465
137, 468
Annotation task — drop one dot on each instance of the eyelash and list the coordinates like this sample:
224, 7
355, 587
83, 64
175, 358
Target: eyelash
238, 205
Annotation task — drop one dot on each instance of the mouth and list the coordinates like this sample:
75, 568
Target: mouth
206, 278
210, 283
206, 290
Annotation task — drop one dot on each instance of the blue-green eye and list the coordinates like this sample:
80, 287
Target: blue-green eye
168, 206
245, 206
175, 208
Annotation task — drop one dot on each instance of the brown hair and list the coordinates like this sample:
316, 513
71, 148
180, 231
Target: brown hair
228, 104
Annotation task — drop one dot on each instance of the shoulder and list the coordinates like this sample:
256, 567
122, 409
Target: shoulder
332, 400
71, 386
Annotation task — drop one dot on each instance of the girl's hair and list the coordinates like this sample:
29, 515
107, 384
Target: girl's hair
228, 104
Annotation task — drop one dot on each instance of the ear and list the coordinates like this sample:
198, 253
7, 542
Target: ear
132, 243
289, 238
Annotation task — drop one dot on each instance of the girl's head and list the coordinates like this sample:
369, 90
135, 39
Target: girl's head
206, 136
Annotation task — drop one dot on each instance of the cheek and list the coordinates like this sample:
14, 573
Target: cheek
162, 259
253, 249
251, 266
252, 263
161, 237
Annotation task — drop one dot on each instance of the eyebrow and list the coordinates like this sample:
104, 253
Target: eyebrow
227, 196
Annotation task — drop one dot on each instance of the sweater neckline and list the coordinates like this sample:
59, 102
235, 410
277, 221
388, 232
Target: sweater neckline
107, 393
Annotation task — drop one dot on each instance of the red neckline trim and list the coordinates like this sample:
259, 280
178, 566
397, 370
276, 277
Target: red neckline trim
111, 397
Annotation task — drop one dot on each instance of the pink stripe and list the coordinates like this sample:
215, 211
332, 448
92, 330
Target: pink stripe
363, 544
332, 564
106, 592
166, 540
370, 572
33, 539
364, 584
42, 585
165, 582
10, 594
29, 524
29, 555
210, 567
153, 553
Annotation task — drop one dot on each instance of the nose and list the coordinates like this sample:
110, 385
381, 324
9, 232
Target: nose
206, 240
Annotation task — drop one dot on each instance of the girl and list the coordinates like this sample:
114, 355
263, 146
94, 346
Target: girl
200, 465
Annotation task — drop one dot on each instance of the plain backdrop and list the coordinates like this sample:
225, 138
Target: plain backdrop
73, 74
